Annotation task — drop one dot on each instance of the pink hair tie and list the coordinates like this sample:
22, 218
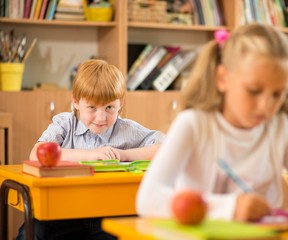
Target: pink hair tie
221, 36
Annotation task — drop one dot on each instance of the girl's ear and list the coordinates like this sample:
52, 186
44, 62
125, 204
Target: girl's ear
221, 82
75, 103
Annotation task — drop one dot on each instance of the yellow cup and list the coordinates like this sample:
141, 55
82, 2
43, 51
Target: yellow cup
11, 75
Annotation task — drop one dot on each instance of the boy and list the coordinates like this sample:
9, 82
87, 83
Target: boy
94, 131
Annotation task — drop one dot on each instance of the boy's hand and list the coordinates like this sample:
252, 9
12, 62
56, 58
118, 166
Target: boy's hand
104, 153
251, 207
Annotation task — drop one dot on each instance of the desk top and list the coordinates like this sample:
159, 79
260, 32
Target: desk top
14, 172
155, 229
104, 194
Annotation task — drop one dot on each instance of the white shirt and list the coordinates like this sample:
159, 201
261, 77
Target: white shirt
188, 159
70, 132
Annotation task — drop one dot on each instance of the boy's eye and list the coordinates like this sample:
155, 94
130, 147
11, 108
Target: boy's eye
277, 94
109, 108
254, 91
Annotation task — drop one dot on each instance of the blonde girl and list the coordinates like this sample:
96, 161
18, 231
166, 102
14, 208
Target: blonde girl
233, 111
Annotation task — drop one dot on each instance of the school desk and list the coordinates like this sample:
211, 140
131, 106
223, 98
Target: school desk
131, 228
104, 194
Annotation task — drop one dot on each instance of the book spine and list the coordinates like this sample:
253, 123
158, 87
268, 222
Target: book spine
148, 48
165, 78
43, 9
27, 8
34, 2
52, 9
155, 59
173, 69
148, 81
37, 10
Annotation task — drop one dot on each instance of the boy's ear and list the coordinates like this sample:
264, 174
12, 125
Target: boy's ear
221, 73
122, 102
75, 103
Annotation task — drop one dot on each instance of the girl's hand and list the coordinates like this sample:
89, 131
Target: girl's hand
104, 153
251, 207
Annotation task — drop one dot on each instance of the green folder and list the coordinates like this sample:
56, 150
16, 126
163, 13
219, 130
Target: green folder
218, 229
115, 165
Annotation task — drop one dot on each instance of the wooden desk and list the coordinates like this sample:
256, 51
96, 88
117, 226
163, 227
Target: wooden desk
131, 228
104, 194
5, 138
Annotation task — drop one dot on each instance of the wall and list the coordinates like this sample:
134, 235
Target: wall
58, 50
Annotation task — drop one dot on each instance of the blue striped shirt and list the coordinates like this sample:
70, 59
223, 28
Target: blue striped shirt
71, 133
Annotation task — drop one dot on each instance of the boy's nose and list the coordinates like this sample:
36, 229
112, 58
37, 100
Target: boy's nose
100, 115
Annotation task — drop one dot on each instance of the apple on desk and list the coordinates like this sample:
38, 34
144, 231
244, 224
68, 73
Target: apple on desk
189, 207
48, 154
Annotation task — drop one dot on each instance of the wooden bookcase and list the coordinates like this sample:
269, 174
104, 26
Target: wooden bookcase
31, 110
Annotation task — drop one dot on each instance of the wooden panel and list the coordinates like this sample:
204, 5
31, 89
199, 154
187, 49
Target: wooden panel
31, 116
2, 146
154, 110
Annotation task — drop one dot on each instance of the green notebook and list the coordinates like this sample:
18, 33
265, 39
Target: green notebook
218, 229
115, 165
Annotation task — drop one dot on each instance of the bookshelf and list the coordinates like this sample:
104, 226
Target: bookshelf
109, 40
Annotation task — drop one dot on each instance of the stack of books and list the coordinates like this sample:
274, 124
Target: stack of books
70, 10
157, 67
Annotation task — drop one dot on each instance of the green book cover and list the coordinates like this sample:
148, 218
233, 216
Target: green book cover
218, 229
114, 165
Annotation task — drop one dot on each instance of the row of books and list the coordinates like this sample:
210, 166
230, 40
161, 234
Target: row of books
157, 67
208, 12
272, 12
42, 9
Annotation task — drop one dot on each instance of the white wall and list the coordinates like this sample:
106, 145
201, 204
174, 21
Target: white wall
58, 50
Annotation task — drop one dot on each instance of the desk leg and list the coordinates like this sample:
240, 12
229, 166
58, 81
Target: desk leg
28, 211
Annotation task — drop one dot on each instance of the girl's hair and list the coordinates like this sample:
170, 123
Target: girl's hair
98, 82
262, 40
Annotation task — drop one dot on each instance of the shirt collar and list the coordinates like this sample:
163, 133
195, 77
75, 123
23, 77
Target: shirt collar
82, 129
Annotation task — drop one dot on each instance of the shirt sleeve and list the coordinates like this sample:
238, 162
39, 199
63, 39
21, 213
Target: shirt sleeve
159, 184
157, 188
141, 135
57, 130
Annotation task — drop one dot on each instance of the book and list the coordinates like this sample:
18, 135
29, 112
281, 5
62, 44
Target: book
43, 9
27, 8
51, 9
139, 60
69, 17
218, 229
33, 8
143, 71
147, 83
63, 169
114, 165
70, 9
173, 69
37, 9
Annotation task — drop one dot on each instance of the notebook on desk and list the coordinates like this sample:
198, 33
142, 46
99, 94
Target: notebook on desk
217, 229
114, 165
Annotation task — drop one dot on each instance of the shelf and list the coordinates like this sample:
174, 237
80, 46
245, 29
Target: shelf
59, 23
168, 26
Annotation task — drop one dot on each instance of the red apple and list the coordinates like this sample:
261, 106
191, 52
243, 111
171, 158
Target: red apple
48, 154
189, 207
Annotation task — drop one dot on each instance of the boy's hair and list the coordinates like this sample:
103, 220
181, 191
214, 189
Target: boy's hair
262, 40
98, 82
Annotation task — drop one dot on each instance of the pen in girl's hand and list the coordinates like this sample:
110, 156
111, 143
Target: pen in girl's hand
233, 176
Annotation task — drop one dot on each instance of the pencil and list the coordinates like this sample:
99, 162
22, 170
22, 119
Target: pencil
27, 53
233, 176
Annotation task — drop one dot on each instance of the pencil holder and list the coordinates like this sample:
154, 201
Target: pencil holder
11, 75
